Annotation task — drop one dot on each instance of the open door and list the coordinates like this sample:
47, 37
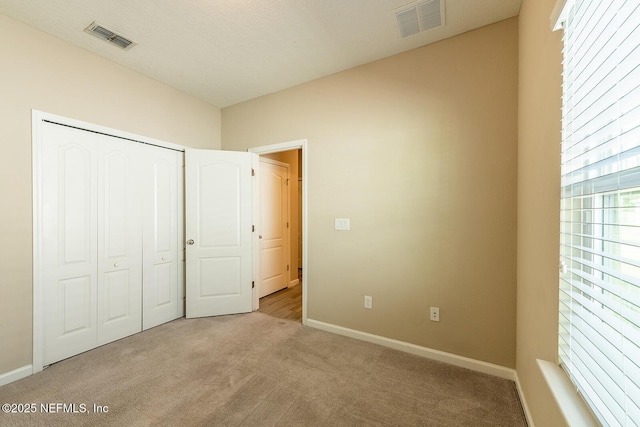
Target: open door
219, 238
273, 227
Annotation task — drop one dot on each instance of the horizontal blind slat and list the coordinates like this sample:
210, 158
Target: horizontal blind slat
588, 236
603, 351
609, 271
593, 391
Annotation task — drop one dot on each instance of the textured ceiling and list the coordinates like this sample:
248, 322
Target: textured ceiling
229, 51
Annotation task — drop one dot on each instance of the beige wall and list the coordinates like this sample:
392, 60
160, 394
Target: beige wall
44, 73
291, 158
420, 151
539, 122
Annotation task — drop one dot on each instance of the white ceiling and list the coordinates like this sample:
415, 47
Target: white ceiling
229, 51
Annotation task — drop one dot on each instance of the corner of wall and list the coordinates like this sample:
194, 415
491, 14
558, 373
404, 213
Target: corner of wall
539, 131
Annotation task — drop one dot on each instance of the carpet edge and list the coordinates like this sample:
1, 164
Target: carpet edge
429, 353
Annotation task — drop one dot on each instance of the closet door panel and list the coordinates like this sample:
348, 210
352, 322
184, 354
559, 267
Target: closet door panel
119, 240
164, 284
160, 236
118, 302
69, 241
75, 299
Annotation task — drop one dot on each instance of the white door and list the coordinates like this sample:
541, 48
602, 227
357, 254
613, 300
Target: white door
92, 247
69, 242
219, 250
274, 222
299, 222
119, 239
162, 247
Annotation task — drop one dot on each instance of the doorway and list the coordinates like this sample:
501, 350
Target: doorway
290, 302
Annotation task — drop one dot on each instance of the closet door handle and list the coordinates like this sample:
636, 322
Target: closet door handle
190, 242
116, 264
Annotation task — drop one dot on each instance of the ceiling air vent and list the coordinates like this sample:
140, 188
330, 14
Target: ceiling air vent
417, 17
109, 36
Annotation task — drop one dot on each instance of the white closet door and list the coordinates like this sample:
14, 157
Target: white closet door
69, 241
119, 239
111, 215
163, 169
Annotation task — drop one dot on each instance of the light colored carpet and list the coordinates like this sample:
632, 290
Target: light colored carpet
256, 370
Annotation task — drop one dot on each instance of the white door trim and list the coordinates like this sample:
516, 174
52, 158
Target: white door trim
286, 146
37, 119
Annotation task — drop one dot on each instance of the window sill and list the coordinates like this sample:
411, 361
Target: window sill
573, 408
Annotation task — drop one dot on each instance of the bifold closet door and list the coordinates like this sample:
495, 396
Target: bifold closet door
92, 241
69, 242
162, 246
119, 239
111, 210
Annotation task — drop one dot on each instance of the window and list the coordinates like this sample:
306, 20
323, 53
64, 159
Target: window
599, 330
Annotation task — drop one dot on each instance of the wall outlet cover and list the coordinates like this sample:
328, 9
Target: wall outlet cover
368, 301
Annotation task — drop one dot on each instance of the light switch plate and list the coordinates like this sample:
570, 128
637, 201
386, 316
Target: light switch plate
343, 223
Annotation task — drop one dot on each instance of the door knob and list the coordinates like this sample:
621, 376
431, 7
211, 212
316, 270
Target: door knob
190, 242
115, 264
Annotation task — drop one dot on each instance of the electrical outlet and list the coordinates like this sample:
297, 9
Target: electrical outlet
368, 301
434, 314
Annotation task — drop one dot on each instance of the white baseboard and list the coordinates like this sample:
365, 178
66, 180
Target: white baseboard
441, 356
16, 374
293, 283
525, 407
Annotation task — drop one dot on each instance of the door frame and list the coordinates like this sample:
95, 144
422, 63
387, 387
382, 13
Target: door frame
302, 144
37, 120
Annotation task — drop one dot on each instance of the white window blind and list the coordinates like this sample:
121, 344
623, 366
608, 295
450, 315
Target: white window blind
599, 331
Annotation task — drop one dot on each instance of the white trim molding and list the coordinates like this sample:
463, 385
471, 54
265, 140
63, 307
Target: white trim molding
574, 409
523, 401
429, 353
282, 146
16, 374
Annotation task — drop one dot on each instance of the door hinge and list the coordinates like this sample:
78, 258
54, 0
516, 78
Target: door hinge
287, 181
253, 228
253, 285
287, 224
253, 172
287, 267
